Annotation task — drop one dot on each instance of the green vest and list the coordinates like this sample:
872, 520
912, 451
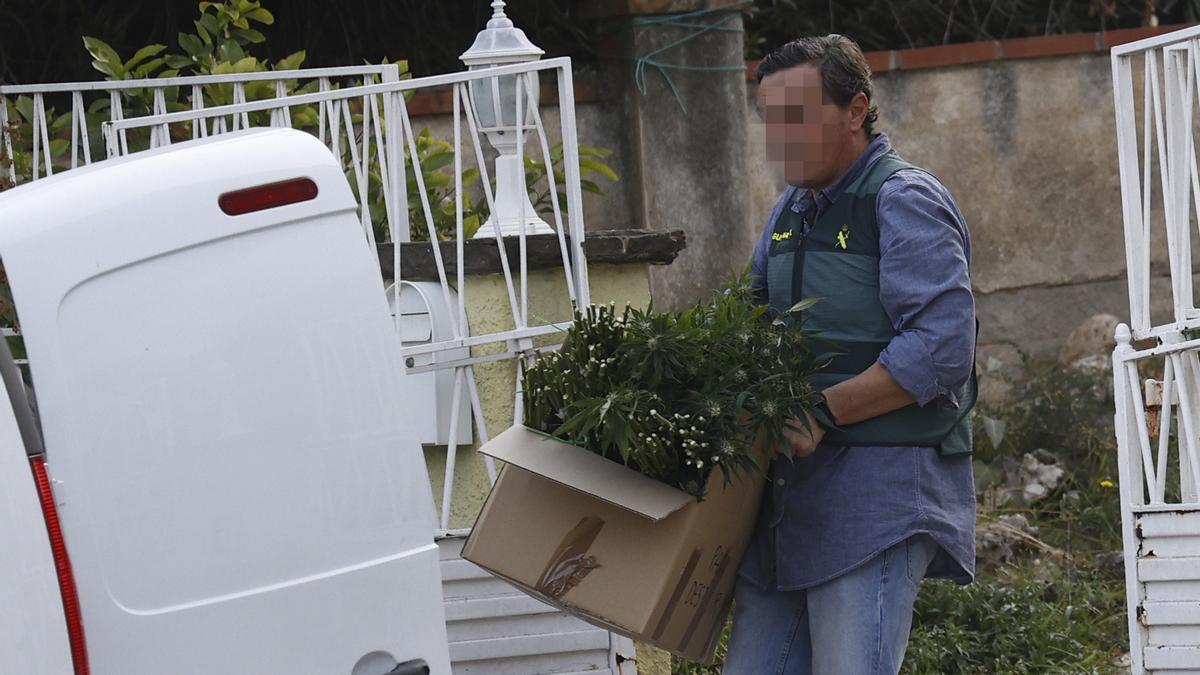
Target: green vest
838, 262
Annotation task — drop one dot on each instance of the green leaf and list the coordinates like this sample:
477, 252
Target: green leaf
248, 35
599, 167
589, 151
144, 70
59, 146
106, 60
178, 61
193, 46
201, 31
230, 51
143, 54
292, 61
247, 64
804, 304
436, 179
211, 24
59, 123
260, 15
436, 161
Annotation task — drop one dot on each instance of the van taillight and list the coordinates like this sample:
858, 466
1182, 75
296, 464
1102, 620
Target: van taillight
62, 564
267, 196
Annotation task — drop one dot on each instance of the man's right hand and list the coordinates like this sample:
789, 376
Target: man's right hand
803, 441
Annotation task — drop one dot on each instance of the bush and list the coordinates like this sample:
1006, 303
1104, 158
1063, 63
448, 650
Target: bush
676, 395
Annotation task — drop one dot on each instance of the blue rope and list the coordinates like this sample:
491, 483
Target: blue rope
697, 29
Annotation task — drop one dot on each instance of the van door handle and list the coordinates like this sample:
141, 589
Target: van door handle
414, 667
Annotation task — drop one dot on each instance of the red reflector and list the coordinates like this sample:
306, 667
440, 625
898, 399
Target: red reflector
267, 196
62, 564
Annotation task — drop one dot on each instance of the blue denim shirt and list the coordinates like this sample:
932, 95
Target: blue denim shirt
834, 510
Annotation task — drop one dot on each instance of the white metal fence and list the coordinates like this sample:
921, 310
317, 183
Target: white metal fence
36, 131
1157, 387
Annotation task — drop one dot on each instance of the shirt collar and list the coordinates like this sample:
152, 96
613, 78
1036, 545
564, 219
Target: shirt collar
803, 200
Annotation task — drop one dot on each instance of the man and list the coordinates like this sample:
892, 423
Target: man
878, 493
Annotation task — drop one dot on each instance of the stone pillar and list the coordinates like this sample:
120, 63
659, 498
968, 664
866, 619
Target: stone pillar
685, 169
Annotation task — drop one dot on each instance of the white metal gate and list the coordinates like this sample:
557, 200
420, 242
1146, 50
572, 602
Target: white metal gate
493, 627
1158, 420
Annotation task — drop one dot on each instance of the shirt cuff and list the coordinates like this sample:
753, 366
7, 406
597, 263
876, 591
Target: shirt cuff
910, 364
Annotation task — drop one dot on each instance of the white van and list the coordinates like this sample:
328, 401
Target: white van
217, 387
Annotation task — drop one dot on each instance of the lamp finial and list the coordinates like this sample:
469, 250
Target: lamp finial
499, 18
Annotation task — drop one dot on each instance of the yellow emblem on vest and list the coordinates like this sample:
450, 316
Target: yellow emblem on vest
843, 238
780, 236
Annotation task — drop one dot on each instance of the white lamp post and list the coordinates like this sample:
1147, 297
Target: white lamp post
494, 101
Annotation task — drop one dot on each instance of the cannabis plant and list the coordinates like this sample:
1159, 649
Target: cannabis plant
676, 395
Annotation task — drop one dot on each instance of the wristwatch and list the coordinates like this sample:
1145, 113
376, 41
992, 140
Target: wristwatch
822, 413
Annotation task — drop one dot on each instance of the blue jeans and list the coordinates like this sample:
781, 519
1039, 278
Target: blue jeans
855, 624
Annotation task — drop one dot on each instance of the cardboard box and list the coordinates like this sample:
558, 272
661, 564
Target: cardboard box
611, 546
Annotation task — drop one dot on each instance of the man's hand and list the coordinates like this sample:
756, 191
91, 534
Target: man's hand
803, 441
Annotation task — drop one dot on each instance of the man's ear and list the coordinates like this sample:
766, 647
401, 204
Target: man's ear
859, 105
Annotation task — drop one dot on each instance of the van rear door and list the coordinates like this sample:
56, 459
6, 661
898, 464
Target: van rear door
219, 382
33, 628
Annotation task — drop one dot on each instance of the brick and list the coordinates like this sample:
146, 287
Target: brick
440, 101
1112, 38
750, 68
607, 9
881, 62
1050, 45
948, 55
435, 102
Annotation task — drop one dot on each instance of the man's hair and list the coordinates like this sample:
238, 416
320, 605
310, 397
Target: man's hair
843, 67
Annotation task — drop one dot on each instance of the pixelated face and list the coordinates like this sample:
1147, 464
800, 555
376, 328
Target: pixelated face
806, 132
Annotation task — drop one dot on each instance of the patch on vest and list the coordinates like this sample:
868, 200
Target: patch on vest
843, 238
780, 236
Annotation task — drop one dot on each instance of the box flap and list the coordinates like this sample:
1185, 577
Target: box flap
587, 472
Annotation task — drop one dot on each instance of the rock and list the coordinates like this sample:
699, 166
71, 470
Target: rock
1001, 366
1094, 337
1095, 363
1039, 475
1045, 456
1026, 483
1034, 492
997, 542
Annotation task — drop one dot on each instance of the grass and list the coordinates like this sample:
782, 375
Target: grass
1041, 613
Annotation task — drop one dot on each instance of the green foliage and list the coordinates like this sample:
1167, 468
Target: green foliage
678, 394
1027, 620
591, 163
225, 39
